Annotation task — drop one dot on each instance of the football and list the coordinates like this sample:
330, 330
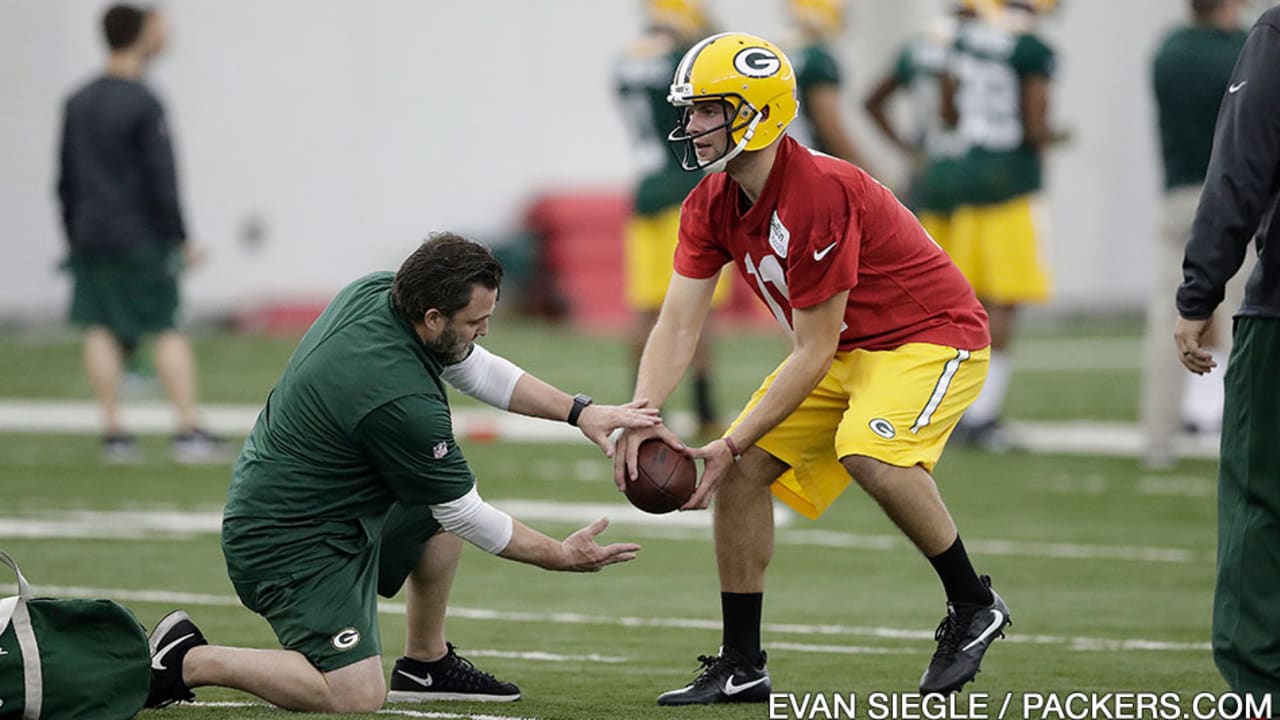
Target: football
665, 479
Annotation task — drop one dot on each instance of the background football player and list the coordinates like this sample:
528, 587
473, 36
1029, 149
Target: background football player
643, 76
820, 124
996, 92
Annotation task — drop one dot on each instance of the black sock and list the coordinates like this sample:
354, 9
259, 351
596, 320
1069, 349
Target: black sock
702, 398
741, 613
958, 576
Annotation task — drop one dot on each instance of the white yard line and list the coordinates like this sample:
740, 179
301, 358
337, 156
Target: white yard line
139, 524
1078, 643
695, 526
385, 711
1084, 437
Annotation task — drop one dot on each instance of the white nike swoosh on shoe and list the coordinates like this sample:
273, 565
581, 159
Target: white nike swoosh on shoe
731, 689
423, 681
994, 626
155, 660
1236, 88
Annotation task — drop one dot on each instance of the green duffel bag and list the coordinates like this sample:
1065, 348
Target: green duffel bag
70, 659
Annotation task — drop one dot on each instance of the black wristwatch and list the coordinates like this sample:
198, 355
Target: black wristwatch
580, 402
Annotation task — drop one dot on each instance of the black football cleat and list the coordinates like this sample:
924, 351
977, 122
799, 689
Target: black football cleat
451, 678
170, 641
724, 678
963, 638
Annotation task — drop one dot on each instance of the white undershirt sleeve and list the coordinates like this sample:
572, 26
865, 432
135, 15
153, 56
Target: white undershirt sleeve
475, 521
489, 378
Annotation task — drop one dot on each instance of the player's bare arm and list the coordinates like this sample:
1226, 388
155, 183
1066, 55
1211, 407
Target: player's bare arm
824, 111
1035, 111
577, 553
815, 341
666, 356
877, 106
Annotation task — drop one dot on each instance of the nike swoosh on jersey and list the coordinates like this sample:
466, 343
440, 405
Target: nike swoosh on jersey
731, 689
423, 681
155, 661
1236, 88
819, 254
995, 625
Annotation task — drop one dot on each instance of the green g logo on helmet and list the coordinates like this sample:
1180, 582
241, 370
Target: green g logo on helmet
756, 62
753, 76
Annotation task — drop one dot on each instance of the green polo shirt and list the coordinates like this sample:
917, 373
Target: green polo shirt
1191, 72
358, 420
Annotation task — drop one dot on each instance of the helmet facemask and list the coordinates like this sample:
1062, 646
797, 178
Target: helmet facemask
736, 110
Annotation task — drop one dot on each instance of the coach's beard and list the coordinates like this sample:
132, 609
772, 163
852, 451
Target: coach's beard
447, 349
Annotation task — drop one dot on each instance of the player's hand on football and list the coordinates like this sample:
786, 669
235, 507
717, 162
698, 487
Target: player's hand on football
717, 458
1187, 335
628, 444
598, 421
583, 554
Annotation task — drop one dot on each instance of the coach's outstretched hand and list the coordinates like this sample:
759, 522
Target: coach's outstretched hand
597, 422
582, 554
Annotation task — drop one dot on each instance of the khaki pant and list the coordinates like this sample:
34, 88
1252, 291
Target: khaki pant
1163, 377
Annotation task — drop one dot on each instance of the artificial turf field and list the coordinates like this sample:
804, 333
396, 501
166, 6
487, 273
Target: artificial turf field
1107, 568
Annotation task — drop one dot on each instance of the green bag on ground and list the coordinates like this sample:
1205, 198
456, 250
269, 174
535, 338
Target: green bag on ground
70, 659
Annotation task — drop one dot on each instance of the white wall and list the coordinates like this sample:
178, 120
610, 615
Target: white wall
353, 127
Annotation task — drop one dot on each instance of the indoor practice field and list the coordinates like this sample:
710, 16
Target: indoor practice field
1108, 569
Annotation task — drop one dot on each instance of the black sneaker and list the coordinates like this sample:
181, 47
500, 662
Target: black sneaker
990, 436
963, 638
119, 449
197, 447
452, 677
725, 678
172, 638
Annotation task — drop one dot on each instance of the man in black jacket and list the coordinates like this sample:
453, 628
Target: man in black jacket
1239, 202
127, 240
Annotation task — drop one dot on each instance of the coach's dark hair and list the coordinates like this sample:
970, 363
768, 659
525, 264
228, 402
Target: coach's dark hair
440, 274
122, 24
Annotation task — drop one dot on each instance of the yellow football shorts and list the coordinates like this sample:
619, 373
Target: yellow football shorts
997, 247
650, 250
897, 406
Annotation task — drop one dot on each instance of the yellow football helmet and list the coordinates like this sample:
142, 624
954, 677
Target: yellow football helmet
749, 73
686, 17
983, 7
826, 16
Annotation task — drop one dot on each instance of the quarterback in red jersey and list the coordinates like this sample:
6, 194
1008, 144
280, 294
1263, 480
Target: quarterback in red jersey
890, 345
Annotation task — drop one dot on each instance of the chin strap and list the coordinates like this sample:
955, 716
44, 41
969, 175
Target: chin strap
719, 165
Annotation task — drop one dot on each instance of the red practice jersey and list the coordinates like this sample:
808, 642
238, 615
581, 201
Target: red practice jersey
822, 226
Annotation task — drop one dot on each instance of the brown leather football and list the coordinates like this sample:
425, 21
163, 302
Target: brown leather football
665, 479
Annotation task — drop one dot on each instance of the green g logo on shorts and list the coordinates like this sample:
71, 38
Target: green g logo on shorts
345, 639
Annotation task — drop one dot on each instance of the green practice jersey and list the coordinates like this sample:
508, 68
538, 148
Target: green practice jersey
1190, 74
989, 65
358, 420
643, 79
815, 67
919, 68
